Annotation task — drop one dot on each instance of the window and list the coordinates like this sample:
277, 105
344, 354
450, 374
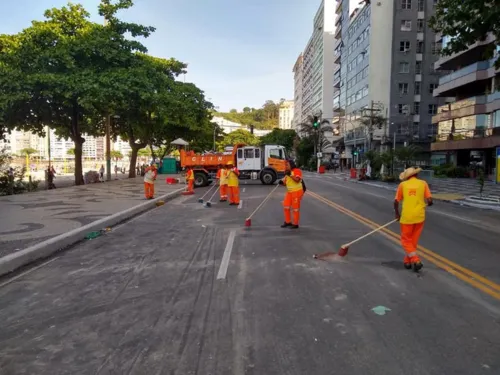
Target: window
403, 88
416, 108
432, 109
240, 153
275, 153
420, 46
349, 101
401, 108
417, 88
359, 95
404, 67
248, 153
420, 25
435, 48
432, 86
405, 25
418, 67
405, 4
420, 5
404, 46
365, 91
360, 58
365, 72
257, 153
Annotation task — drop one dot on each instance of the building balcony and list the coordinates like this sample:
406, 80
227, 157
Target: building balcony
474, 53
338, 8
338, 19
338, 33
474, 139
451, 84
476, 105
337, 56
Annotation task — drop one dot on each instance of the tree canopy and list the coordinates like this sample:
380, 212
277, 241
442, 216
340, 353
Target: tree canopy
238, 136
467, 22
266, 117
74, 76
283, 137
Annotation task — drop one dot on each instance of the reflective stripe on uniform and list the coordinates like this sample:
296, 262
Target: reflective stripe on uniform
412, 254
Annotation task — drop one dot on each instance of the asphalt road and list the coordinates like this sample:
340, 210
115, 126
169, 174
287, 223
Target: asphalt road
187, 290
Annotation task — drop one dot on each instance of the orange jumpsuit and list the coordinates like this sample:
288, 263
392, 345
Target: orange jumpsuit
413, 192
149, 181
233, 186
293, 197
222, 177
190, 180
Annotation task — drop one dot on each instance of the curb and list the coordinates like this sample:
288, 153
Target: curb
46, 248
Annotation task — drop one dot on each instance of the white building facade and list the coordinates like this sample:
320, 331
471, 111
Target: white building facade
286, 114
298, 69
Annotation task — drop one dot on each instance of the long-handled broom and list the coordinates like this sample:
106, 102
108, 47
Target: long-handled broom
200, 200
209, 202
248, 221
345, 248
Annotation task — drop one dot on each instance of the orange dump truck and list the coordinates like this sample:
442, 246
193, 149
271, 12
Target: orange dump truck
265, 163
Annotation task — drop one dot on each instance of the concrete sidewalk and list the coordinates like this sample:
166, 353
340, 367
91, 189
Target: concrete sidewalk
28, 219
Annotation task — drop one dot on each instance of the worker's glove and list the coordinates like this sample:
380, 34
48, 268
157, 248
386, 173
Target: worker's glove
288, 173
280, 182
430, 203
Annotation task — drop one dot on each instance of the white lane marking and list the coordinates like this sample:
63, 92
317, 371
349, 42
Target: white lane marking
241, 204
26, 272
452, 216
224, 264
244, 189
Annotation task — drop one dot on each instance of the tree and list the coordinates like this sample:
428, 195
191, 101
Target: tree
66, 71
28, 151
70, 151
239, 136
317, 135
407, 155
233, 111
246, 110
305, 151
117, 155
281, 137
466, 22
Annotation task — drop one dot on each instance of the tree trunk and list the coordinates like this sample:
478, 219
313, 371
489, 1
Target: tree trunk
78, 161
153, 156
78, 141
133, 162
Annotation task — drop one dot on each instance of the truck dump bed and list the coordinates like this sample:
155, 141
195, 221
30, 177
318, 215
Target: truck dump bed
208, 161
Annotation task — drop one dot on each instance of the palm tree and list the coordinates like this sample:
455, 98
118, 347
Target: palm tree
28, 152
371, 123
407, 155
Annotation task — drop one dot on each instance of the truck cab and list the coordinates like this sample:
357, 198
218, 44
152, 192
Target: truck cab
267, 163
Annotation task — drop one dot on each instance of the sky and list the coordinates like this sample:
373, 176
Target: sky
239, 52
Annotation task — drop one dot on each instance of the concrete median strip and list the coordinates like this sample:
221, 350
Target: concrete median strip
46, 248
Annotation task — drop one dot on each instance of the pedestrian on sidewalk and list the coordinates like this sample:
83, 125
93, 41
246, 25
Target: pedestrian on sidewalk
222, 179
233, 184
415, 195
101, 173
190, 179
149, 181
293, 196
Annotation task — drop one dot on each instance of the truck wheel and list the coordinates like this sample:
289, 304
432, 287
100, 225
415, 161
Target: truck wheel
268, 177
200, 179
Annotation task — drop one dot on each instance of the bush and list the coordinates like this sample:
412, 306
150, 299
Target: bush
13, 184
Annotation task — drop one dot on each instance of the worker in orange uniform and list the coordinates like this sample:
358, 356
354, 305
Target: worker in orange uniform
293, 195
416, 195
190, 180
149, 181
233, 184
222, 179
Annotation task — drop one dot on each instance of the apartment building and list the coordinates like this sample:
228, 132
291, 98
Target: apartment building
316, 85
385, 54
298, 69
468, 128
286, 114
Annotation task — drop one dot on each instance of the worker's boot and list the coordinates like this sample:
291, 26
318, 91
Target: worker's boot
294, 226
416, 263
407, 262
286, 225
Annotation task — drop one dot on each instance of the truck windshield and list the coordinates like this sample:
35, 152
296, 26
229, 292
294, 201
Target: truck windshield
277, 153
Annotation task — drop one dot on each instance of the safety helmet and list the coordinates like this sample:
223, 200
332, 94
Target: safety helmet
229, 163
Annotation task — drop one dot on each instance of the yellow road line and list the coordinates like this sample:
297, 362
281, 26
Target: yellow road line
472, 278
